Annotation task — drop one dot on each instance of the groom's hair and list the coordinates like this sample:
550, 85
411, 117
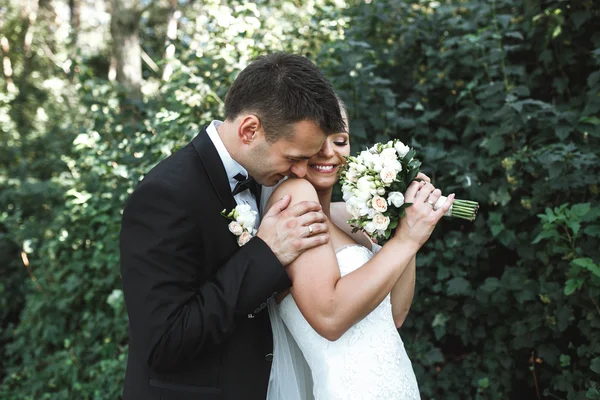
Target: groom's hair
282, 89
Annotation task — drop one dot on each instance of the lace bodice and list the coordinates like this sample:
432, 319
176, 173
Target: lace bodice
368, 362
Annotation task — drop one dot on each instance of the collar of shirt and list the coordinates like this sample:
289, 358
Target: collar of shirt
232, 167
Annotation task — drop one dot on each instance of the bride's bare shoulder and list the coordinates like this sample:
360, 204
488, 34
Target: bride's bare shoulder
299, 189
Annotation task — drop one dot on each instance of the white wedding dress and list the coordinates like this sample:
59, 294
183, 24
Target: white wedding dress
368, 362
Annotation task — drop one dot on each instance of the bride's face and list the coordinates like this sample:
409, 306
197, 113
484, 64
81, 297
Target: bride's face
323, 167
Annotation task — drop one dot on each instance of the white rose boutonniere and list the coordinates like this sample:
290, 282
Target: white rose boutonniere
242, 222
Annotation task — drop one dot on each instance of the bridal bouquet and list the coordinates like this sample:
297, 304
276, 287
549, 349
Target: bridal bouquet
373, 184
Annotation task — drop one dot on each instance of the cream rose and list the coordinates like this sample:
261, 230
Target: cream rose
235, 228
387, 175
381, 222
244, 238
379, 204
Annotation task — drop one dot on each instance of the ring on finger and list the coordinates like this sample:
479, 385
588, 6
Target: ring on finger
310, 230
431, 203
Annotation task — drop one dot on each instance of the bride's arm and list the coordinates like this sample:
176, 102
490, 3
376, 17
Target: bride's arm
404, 289
332, 304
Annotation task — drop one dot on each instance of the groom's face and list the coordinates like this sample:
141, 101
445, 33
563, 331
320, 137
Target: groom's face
287, 156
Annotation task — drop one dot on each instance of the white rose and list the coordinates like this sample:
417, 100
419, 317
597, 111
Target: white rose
396, 198
244, 238
381, 222
389, 155
380, 191
241, 209
402, 149
347, 192
388, 175
235, 228
379, 204
364, 185
353, 211
361, 168
248, 219
393, 164
378, 166
370, 213
370, 227
352, 175
367, 158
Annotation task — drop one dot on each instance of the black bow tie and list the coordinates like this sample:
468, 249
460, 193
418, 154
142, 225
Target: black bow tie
245, 183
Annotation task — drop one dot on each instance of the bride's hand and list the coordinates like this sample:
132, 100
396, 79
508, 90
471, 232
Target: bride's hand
420, 218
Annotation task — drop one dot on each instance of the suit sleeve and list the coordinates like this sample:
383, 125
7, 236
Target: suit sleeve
172, 320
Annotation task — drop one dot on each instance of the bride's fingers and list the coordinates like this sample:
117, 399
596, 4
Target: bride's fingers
445, 207
411, 192
424, 192
422, 177
434, 197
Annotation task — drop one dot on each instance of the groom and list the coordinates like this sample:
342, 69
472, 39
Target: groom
195, 299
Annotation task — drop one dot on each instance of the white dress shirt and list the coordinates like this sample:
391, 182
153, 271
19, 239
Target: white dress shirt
232, 168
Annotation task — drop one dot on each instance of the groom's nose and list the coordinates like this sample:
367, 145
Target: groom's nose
299, 169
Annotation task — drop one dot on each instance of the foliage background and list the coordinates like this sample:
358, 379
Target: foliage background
500, 98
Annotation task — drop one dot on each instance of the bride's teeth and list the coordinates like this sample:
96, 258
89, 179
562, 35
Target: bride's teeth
324, 167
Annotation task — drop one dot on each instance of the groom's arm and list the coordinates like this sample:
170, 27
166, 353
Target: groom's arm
171, 320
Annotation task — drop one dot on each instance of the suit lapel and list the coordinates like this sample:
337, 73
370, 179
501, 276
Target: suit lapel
214, 168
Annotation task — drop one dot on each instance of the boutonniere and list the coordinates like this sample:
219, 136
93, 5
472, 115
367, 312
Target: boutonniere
243, 218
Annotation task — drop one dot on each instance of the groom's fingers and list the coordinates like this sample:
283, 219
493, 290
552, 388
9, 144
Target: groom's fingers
311, 218
302, 208
314, 230
314, 240
278, 206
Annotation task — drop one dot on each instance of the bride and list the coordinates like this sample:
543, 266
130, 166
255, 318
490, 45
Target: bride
348, 297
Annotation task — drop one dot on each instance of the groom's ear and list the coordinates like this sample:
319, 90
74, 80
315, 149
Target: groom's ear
248, 128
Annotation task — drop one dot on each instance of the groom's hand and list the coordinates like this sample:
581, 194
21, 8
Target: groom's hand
291, 231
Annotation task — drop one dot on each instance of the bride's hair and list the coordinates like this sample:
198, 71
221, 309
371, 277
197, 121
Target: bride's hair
343, 111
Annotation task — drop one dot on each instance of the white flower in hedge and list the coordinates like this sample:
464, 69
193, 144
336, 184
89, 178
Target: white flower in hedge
379, 204
401, 148
236, 228
388, 175
396, 198
244, 238
381, 222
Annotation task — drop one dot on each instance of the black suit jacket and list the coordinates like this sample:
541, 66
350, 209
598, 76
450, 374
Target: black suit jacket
192, 294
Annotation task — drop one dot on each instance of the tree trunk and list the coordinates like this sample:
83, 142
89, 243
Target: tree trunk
124, 28
174, 15
75, 21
